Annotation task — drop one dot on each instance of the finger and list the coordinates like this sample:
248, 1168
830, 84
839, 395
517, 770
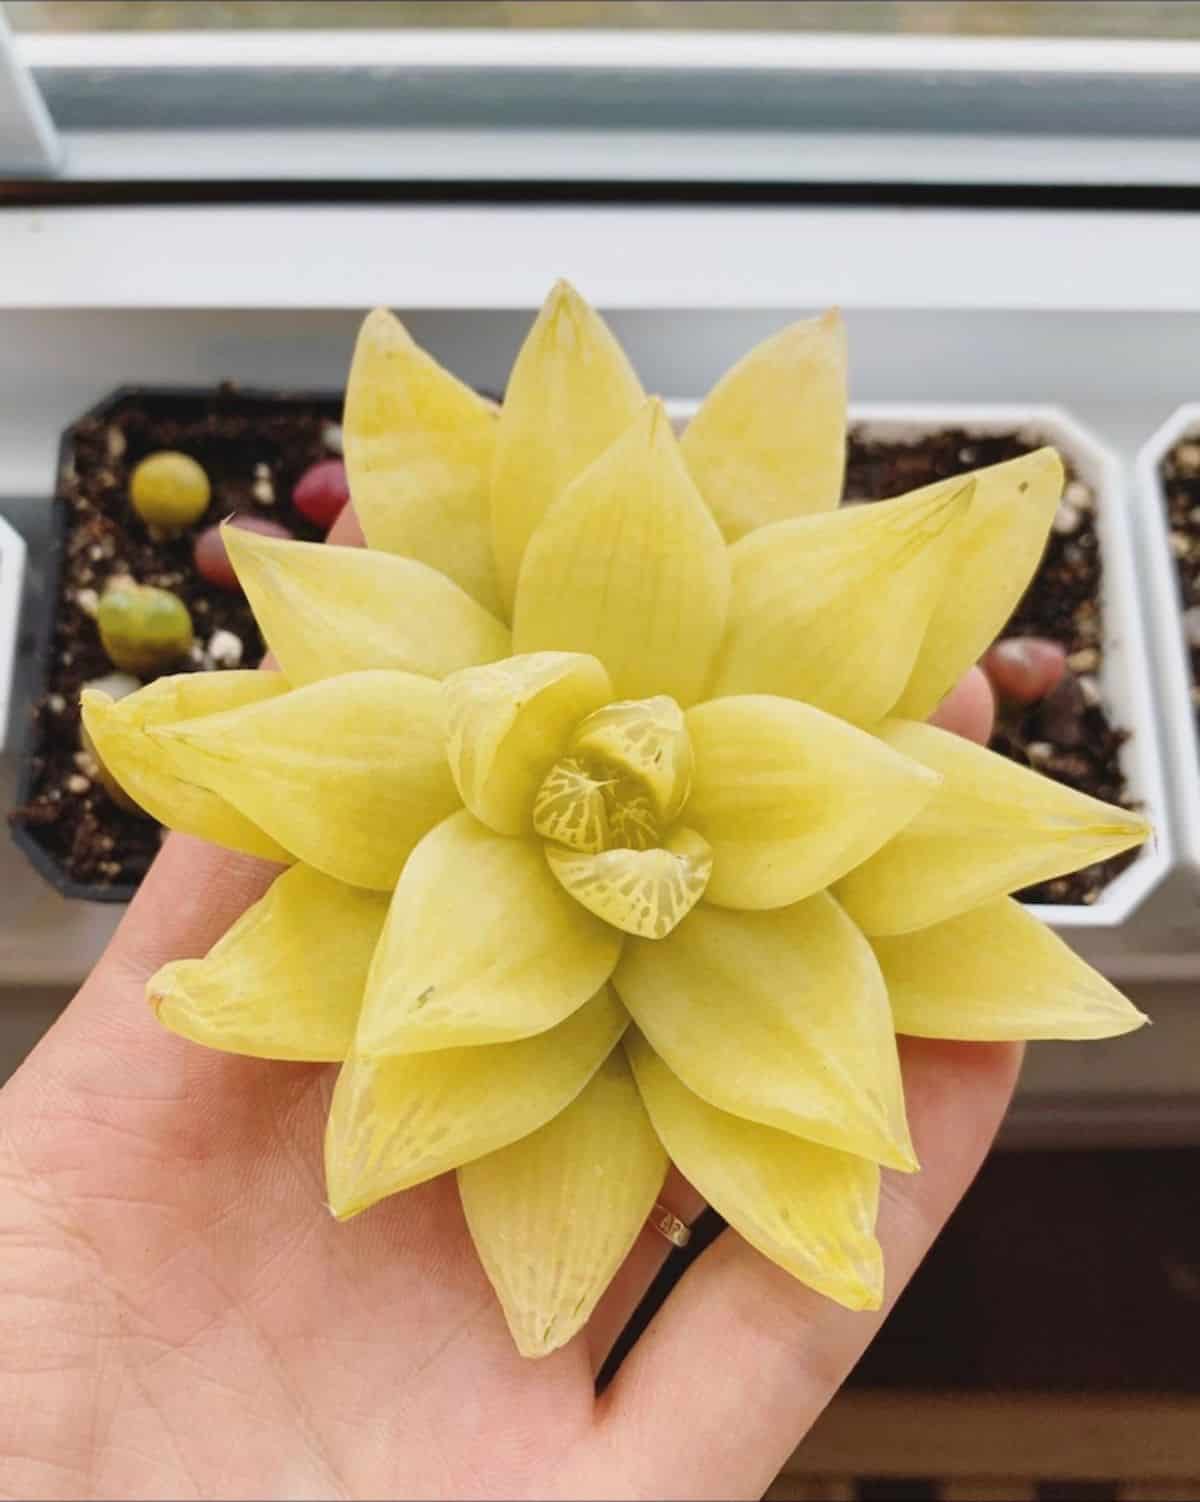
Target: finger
968, 709
742, 1358
1024, 669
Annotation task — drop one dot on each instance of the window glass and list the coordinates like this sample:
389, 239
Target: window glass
1112, 18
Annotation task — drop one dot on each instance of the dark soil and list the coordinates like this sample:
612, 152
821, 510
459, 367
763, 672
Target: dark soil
1181, 481
1068, 735
251, 448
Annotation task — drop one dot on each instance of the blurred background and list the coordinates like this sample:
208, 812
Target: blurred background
1004, 198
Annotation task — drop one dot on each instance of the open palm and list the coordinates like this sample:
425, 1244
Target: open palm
180, 1315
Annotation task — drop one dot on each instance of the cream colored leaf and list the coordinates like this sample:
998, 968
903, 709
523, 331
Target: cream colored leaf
809, 1209
991, 828
791, 798
570, 393
646, 892
508, 723
396, 1122
482, 946
833, 609
286, 981
419, 447
781, 1018
629, 566
149, 771
769, 440
997, 552
554, 1215
327, 610
998, 973
347, 774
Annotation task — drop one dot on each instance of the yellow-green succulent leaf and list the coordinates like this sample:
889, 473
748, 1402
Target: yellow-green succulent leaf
644, 892
832, 609
781, 1018
396, 1122
554, 1216
508, 723
997, 553
419, 447
482, 945
150, 773
998, 974
991, 828
286, 981
647, 740
791, 798
326, 610
347, 773
570, 393
769, 440
808, 1208
629, 565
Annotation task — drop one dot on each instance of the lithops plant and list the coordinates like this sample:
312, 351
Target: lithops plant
616, 834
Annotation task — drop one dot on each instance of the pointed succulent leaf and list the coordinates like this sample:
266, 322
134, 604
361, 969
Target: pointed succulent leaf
482, 945
554, 1215
327, 610
646, 892
629, 566
769, 440
832, 609
396, 1122
791, 798
781, 1018
995, 974
150, 773
508, 723
991, 828
571, 392
807, 1208
995, 557
419, 448
347, 774
286, 981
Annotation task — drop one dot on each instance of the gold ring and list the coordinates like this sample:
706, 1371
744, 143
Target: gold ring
670, 1226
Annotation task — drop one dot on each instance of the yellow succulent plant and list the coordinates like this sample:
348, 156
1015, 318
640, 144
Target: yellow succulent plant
615, 832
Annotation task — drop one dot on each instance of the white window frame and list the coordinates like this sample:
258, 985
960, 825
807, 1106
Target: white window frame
581, 106
28, 141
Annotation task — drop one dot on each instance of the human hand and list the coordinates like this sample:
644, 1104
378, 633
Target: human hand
180, 1315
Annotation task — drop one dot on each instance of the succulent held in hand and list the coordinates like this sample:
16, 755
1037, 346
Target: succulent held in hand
616, 831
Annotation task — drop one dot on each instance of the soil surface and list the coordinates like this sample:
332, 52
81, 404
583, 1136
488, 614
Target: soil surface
253, 451
1069, 735
1181, 481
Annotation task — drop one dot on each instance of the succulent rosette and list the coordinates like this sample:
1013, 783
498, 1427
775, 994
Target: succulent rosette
615, 835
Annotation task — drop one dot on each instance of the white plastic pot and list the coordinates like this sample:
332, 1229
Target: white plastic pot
1173, 672
12, 587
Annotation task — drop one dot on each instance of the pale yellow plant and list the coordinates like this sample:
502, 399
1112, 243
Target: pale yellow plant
616, 834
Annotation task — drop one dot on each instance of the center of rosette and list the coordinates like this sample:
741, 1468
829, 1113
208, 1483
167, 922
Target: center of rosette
622, 781
608, 811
